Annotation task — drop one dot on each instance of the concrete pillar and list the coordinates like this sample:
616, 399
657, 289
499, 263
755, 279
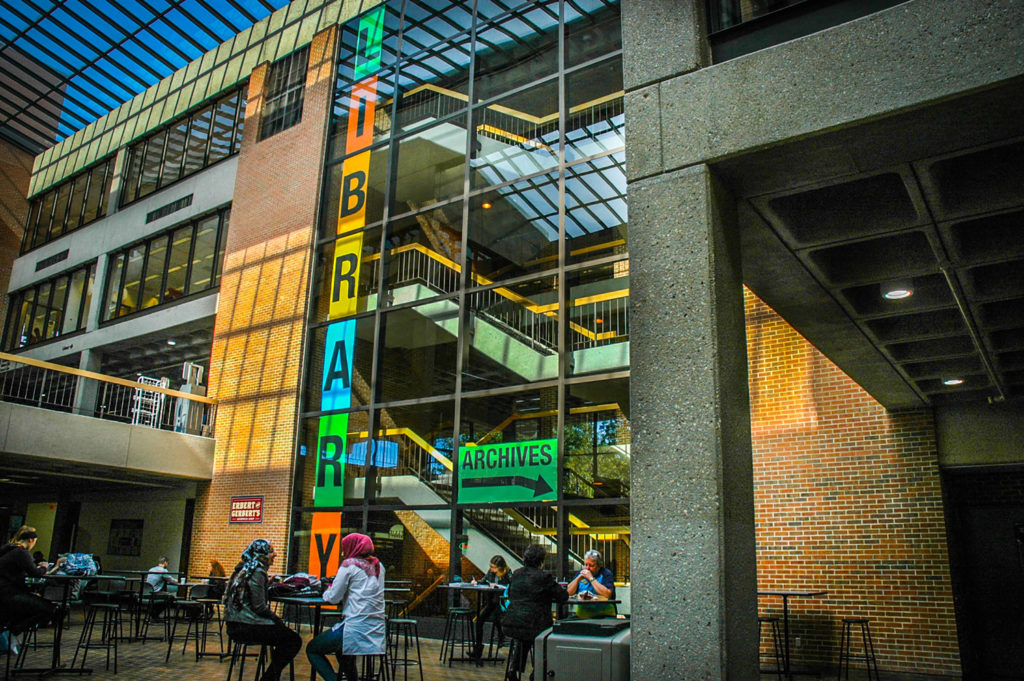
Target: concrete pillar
87, 389
691, 476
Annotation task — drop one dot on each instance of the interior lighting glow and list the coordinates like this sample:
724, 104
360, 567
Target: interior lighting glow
171, 341
486, 205
897, 289
953, 381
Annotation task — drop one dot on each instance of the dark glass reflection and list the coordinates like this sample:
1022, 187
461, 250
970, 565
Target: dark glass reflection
518, 49
423, 253
597, 440
592, 29
428, 22
599, 319
417, 358
430, 166
513, 230
512, 335
595, 123
595, 207
516, 136
434, 84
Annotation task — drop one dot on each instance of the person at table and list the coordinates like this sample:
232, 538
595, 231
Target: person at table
594, 581
159, 579
21, 608
359, 587
248, 614
490, 609
531, 592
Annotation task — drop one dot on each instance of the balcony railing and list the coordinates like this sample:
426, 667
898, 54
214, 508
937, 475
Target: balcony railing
59, 388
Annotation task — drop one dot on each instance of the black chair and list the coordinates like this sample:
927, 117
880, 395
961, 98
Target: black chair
206, 594
189, 612
514, 648
150, 602
867, 650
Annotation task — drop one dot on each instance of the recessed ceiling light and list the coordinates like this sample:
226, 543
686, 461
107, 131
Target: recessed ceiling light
897, 289
953, 381
486, 205
171, 341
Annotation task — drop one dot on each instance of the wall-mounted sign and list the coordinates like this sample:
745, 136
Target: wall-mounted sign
246, 509
509, 472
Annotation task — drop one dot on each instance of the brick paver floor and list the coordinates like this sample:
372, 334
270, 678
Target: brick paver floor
145, 662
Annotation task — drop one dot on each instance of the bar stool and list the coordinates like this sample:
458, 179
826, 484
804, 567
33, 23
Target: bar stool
868, 647
511, 672
210, 613
240, 651
110, 629
405, 630
187, 611
458, 631
776, 633
375, 668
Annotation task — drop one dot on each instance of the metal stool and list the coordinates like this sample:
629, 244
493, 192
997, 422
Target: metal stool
375, 668
776, 632
512, 673
458, 630
406, 630
868, 647
240, 651
188, 611
110, 631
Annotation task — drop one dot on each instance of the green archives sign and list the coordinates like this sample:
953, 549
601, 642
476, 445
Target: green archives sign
509, 472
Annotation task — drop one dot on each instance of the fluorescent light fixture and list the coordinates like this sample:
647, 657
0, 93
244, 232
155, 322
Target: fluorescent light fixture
171, 341
953, 381
897, 289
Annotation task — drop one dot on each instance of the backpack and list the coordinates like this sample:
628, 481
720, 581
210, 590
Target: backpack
78, 565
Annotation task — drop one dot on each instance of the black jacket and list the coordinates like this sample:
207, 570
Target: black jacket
531, 594
246, 600
15, 565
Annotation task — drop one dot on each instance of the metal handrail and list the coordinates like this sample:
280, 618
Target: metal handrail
36, 383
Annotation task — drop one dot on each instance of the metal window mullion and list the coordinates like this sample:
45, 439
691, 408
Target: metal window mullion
85, 196
562, 516
191, 257
163, 158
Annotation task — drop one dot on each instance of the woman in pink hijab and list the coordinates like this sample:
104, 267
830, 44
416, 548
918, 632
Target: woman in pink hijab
359, 587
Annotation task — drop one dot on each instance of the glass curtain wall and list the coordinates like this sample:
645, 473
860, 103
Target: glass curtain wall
50, 309
73, 203
179, 262
467, 387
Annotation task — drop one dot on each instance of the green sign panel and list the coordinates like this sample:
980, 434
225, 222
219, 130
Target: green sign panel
509, 472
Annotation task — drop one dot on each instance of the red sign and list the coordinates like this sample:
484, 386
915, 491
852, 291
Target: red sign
247, 509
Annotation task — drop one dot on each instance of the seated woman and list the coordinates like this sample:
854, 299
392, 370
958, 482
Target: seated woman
593, 581
531, 593
490, 609
248, 614
22, 610
359, 587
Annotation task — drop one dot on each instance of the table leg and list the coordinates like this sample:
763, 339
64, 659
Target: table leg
317, 628
785, 626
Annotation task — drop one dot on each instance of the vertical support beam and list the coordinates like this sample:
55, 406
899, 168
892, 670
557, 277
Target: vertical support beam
691, 475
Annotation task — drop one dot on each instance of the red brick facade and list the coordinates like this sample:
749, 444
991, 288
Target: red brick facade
848, 499
259, 333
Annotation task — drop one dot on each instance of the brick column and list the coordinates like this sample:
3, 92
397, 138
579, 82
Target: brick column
258, 336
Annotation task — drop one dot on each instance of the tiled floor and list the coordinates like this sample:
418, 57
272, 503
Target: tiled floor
145, 662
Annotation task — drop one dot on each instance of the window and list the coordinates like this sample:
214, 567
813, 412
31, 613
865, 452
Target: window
185, 146
55, 307
286, 85
67, 206
178, 262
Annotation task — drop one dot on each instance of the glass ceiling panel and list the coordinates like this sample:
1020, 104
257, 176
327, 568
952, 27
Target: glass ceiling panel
65, 63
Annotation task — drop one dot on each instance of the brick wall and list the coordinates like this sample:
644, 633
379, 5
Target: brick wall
15, 170
848, 499
258, 336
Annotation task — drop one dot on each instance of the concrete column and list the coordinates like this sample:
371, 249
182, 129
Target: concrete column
87, 389
694, 591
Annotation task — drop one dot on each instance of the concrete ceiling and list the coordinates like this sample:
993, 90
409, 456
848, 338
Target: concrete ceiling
934, 196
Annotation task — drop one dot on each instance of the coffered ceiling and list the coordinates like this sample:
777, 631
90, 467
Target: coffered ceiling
933, 198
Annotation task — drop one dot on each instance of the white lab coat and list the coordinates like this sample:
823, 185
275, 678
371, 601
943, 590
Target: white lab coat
362, 599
